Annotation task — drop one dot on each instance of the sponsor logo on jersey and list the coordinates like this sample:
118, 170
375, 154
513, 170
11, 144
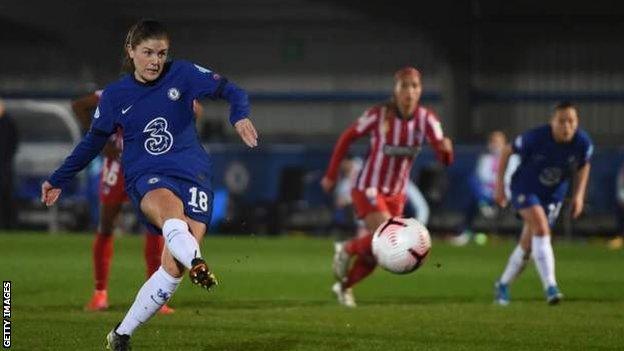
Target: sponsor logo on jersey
173, 94
160, 140
550, 176
125, 110
153, 180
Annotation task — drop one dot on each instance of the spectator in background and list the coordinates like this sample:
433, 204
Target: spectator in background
417, 205
482, 185
8, 148
618, 242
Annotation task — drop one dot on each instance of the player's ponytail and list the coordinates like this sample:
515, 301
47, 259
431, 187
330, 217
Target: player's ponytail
139, 32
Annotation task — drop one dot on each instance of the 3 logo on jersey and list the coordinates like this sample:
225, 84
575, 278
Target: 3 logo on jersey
160, 140
550, 176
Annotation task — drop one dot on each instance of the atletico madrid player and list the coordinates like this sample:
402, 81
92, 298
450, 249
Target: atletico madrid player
397, 131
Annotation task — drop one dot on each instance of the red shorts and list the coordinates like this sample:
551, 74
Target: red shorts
112, 190
393, 204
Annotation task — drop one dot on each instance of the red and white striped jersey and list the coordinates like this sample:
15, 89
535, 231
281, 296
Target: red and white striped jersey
394, 144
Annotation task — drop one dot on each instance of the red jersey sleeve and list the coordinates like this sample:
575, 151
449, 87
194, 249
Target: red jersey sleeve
434, 135
362, 126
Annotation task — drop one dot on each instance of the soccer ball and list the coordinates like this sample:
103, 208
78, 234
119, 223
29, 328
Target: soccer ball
401, 245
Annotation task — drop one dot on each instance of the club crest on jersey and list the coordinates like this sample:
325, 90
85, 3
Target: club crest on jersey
550, 176
173, 94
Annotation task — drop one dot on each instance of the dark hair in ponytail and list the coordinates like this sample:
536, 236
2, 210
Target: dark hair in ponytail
139, 32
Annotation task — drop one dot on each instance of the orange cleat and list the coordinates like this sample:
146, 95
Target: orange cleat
99, 301
165, 309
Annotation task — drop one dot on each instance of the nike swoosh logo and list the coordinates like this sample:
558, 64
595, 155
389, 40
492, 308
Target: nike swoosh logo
123, 111
194, 210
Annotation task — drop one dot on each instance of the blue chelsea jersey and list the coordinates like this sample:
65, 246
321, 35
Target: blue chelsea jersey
547, 166
158, 122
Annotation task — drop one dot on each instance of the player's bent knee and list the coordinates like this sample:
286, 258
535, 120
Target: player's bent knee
161, 204
171, 265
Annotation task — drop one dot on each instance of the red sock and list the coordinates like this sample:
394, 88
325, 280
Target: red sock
102, 254
362, 267
153, 251
361, 246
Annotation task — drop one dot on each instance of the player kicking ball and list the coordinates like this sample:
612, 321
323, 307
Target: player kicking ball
168, 173
551, 156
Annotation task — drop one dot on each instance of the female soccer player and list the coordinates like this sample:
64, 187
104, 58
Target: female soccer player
397, 131
112, 194
168, 173
551, 155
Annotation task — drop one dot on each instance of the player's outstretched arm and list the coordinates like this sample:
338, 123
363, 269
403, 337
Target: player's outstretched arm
247, 132
499, 191
444, 151
578, 196
83, 153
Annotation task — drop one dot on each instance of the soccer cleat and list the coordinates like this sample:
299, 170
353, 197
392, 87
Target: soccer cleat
341, 261
501, 294
201, 275
98, 302
461, 239
553, 296
116, 342
165, 309
345, 296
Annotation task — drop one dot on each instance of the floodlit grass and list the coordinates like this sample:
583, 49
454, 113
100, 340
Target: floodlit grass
275, 295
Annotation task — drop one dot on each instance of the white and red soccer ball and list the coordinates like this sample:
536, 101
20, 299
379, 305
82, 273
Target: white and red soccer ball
401, 245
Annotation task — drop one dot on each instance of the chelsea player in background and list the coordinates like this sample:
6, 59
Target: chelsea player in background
168, 173
551, 155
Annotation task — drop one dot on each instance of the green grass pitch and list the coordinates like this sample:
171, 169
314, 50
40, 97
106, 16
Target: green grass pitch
275, 295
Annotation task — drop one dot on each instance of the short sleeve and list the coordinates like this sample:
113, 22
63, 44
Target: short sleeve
104, 116
433, 128
204, 82
366, 122
522, 143
587, 148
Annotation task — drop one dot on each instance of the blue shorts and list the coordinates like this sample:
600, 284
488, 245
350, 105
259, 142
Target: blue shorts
551, 206
196, 197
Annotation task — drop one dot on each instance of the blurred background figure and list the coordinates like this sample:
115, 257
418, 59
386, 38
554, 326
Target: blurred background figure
343, 217
416, 205
8, 148
482, 185
618, 242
